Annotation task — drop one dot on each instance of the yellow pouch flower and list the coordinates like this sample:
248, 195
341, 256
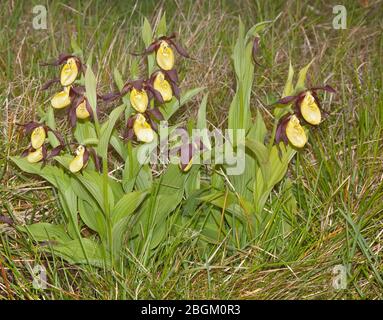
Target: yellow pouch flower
35, 156
38, 137
69, 72
139, 100
142, 129
295, 132
162, 86
165, 56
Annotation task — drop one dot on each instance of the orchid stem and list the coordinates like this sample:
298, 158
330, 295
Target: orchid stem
105, 191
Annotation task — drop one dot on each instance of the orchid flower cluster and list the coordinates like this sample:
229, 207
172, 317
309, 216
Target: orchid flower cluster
161, 86
307, 110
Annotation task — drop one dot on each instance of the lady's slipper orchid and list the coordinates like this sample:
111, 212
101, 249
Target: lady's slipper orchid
38, 137
36, 155
142, 129
72, 67
38, 133
165, 82
139, 99
290, 130
82, 110
143, 125
309, 109
307, 105
141, 91
81, 158
164, 52
37, 150
165, 56
69, 72
61, 99
163, 86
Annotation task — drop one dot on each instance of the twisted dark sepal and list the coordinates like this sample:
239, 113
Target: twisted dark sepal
96, 159
280, 134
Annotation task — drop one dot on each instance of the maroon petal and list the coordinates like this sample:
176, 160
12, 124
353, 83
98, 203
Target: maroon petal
172, 75
130, 121
280, 134
89, 108
72, 116
186, 154
153, 124
179, 48
58, 136
47, 84
25, 152
325, 88
157, 95
175, 89
129, 134
77, 90
85, 157
152, 47
156, 113
44, 151
55, 152
109, 97
30, 126
286, 100
255, 48
61, 59
96, 159
137, 84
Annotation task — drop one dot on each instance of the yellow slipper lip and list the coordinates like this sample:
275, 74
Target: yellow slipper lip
165, 56
295, 132
82, 111
139, 99
35, 156
61, 99
142, 129
310, 110
163, 87
38, 137
78, 161
69, 72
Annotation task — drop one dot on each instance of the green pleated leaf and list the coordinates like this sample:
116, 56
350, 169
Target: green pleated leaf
107, 129
302, 78
91, 88
127, 205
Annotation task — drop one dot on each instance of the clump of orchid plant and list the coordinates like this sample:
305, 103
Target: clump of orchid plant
133, 208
